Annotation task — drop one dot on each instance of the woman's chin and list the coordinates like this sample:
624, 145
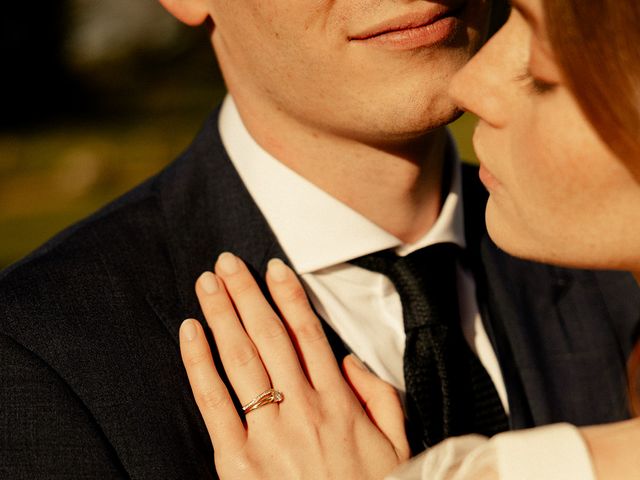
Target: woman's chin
518, 240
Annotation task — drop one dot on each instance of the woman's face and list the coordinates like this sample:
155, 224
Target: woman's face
557, 193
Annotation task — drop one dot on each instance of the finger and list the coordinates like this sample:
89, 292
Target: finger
262, 324
209, 391
304, 327
239, 356
381, 402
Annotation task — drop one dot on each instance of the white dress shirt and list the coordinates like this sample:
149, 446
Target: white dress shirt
319, 234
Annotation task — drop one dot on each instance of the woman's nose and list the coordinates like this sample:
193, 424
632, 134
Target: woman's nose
483, 86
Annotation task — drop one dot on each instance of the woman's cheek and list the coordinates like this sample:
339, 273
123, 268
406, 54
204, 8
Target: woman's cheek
540, 159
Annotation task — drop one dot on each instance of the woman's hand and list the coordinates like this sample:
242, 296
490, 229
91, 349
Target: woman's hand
320, 429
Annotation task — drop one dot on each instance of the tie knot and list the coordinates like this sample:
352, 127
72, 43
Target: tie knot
424, 279
432, 261
381, 262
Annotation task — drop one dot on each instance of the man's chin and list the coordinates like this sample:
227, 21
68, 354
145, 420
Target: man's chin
414, 125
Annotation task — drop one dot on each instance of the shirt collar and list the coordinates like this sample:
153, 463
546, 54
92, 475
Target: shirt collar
316, 230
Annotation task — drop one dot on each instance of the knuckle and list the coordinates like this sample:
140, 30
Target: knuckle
294, 294
309, 331
387, 390
404, 452
196, 359
211, 398
232, 464
241, 354
271, 328
215, 308
314, 414
242, 286
344, 405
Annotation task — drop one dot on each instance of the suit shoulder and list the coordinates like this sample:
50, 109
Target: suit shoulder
98, 258
48, 422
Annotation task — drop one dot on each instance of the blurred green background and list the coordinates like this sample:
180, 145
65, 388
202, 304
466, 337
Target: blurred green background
96, 96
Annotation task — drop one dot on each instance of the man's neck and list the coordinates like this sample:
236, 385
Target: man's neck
398, 188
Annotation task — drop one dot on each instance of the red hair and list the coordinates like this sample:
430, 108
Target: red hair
596, 45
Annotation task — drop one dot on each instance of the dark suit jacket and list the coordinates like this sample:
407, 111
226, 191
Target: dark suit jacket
91, 382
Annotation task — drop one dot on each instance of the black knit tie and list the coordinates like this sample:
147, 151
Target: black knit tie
448, 390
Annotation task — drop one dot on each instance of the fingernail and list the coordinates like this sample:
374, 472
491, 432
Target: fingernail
278, 270
228, 263
357, 362
188, 330
209, 282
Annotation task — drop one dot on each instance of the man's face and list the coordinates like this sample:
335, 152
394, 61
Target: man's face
372, 70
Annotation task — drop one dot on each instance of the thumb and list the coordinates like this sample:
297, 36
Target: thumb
381, 402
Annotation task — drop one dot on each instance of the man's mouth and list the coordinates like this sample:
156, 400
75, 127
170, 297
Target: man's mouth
412, 30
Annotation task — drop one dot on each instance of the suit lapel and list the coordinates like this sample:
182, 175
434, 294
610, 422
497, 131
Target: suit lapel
207, 210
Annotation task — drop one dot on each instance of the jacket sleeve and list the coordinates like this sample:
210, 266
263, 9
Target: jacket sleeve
45, 430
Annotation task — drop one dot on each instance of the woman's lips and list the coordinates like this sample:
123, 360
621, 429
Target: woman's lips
413, 31
488, 180
479, 141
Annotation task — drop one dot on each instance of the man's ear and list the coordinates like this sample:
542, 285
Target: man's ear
191, 12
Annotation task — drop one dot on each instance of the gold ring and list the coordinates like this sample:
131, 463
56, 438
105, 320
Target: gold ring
265, 398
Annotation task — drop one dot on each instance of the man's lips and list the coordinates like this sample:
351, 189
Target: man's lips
407, 22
